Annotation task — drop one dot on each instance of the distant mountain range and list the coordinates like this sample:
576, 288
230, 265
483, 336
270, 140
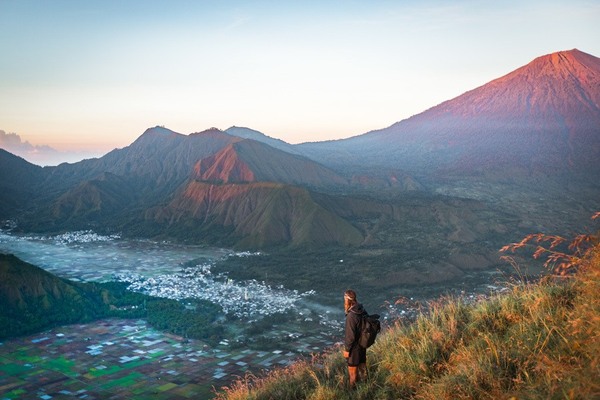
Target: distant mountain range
242, 188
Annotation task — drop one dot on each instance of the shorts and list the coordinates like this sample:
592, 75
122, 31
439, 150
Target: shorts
358, 355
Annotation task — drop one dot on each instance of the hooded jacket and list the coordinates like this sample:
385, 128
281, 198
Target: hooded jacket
353, 322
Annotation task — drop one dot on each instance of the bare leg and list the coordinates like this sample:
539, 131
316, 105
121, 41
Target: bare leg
353, 374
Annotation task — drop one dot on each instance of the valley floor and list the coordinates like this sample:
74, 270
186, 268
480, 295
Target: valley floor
123, 359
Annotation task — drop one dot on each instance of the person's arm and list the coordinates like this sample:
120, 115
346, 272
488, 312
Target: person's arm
350, 337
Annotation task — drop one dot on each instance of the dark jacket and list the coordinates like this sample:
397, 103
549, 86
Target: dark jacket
353, 319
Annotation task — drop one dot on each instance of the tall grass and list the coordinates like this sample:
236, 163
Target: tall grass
539, 341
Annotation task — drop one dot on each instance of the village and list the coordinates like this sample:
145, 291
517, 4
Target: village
249, 300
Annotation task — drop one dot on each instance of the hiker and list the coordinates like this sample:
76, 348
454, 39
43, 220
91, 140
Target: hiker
355, 354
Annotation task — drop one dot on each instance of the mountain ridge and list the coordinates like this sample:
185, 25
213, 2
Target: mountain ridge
524, 128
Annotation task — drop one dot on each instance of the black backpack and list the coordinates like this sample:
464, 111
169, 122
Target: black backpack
369, 328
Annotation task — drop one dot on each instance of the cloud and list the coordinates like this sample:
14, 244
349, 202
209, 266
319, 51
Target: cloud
13, 143
40, 155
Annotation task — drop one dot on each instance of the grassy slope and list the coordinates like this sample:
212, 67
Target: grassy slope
538, 341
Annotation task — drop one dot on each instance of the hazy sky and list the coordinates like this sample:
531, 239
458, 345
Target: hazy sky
93, 75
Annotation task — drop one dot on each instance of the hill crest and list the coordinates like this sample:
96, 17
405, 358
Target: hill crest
251, 161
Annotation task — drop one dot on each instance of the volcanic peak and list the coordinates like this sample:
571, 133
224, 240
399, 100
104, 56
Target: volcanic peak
554, 87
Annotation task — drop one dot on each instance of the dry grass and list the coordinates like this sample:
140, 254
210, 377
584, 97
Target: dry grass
540, 341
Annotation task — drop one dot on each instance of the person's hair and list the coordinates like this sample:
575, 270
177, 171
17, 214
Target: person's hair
351, 296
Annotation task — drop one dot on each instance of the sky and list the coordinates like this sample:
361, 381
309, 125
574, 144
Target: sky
80, 78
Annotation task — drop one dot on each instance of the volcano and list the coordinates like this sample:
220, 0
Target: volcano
543, 118
555, 89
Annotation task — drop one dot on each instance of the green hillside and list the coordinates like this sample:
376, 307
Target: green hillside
538, 341
32, 299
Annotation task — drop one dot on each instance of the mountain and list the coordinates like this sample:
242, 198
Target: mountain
552, 90
130, 190
154, 164
101, 199
252, 195
252, 161
113, 190
252, 215
543, 118
527, 145
18, 182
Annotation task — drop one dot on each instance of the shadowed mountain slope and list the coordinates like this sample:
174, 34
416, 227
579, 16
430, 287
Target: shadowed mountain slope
253, 215
31, 298
93, 202
19, 180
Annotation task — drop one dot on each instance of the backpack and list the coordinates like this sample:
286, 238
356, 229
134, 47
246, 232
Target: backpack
370, 327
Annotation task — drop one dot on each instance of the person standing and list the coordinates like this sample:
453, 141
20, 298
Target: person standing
353, 352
